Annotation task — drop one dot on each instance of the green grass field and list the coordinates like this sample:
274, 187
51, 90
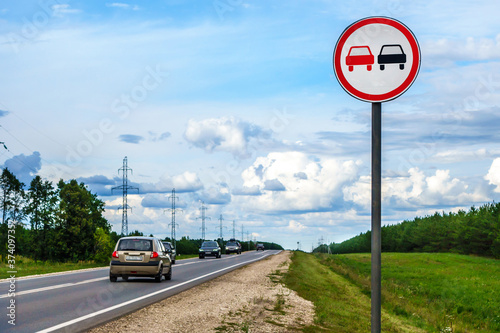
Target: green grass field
26, 267
421, 292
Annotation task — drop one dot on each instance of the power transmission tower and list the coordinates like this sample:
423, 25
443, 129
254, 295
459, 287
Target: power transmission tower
203, 218
220, 220
125, 188
173, 210
234, 229
321, 241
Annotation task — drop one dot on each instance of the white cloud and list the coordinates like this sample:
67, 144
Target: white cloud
187, 182
224, 134
310, 183
118, 5
493, 176
216, 195
454, 156
122, 5
62, 9
444, 50
295, 226
184, 182
416, 189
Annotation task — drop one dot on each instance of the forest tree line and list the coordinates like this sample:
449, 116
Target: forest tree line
474, 232
65, 223
57, 223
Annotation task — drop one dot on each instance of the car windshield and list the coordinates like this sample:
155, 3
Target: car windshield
231, 244
391, 49
209, 244
359, 51
135, 245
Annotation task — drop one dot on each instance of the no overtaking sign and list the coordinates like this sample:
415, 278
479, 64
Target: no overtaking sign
376, 59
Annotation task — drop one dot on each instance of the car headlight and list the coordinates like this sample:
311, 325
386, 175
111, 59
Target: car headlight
227, 248
201, 250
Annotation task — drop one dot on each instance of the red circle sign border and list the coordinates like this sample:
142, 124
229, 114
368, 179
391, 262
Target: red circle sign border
391, 94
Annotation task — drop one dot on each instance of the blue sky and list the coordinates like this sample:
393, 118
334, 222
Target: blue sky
235, 103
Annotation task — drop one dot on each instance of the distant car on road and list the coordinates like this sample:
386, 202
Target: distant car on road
391, 54
260, 246
170, 250
359, 56
233, 246
140, 257
210, 248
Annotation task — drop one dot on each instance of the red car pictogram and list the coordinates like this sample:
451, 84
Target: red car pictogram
359, 56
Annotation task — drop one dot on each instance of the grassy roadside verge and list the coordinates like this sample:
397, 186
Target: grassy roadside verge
26, 267
420, 292
340, 305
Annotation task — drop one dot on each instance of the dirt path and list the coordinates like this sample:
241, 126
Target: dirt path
249, 299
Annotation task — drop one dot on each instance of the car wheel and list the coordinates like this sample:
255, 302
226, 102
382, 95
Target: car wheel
173, 261
125, 278
112, 278
382, 67
159, 276
351, 68
168, 276
201, 257
369, 67
401, 66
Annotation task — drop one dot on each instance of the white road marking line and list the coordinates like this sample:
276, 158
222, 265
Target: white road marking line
54, 287
94, 314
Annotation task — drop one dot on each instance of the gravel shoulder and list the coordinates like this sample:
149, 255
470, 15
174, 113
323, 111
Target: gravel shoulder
249, 299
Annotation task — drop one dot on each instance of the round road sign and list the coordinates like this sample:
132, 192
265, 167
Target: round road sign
376, 59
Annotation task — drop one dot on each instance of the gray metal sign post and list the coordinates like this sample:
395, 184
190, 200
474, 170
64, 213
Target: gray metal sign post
376, 60
376, 278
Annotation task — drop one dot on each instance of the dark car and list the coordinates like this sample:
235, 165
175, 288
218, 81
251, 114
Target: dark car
233, 246
139, 257
170, 250
210, 248
391, 54
260, 246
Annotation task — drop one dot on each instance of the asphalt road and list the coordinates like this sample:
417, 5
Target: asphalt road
74, 302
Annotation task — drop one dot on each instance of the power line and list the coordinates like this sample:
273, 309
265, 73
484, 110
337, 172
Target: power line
125, 188
234, 229
203, 218
173, 210
221, 226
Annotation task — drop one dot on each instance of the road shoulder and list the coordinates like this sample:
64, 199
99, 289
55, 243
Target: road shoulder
248, 298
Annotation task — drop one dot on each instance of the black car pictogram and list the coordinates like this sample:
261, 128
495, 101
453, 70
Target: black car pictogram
391, 54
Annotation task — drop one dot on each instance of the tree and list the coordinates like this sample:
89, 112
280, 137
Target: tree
79, 216
11, 196
40, 208
135, 233
103, 246
12, 200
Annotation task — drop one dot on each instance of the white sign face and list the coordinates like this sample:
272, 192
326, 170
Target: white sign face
376, 59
